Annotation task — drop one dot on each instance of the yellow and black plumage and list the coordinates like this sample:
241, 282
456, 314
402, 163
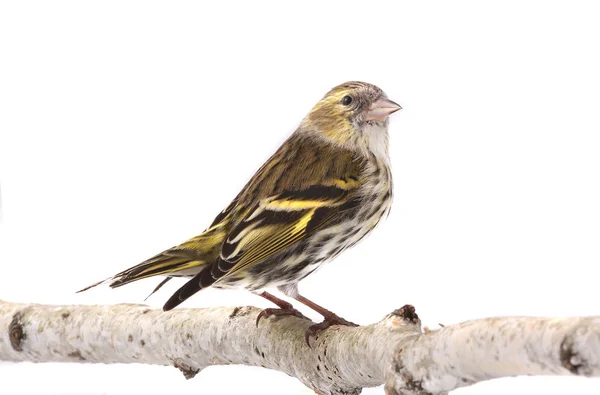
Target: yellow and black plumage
323, 190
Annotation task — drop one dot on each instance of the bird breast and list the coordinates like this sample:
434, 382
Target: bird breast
375, 204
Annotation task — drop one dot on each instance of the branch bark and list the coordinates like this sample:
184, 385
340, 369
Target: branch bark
342, 360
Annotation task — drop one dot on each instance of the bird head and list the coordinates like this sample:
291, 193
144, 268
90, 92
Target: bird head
347, 111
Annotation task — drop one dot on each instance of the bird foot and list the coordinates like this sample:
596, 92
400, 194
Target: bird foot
275, 312
331, 320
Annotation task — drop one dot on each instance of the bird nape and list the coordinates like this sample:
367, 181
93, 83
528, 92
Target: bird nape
321, 192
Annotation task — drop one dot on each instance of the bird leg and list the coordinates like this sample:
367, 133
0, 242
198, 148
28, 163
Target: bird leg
329, 318
284, 309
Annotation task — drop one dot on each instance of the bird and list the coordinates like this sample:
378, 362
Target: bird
326, 187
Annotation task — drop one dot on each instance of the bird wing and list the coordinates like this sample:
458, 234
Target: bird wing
272, 225
302, 187
280, 221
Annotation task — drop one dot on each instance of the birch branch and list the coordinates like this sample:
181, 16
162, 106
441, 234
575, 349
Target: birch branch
341, 360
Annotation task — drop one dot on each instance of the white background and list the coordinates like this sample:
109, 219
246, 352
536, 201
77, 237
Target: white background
127, 126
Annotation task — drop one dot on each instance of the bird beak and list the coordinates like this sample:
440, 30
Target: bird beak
381, 109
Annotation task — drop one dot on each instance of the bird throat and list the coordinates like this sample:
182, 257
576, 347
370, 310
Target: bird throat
375, 140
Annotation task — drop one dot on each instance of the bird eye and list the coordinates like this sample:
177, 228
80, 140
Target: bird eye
346, 100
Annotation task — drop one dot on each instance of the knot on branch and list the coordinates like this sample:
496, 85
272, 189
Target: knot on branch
188, 371
570, 359
402, 382
407, 313
16, 334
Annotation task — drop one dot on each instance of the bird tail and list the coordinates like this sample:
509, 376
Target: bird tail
161, 264
186, 259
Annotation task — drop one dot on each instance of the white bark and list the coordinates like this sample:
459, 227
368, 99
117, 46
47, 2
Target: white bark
341, 360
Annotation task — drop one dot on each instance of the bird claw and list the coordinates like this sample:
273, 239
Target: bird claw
314, 330
275, 312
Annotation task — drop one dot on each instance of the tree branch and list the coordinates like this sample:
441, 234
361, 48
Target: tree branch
341, 360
